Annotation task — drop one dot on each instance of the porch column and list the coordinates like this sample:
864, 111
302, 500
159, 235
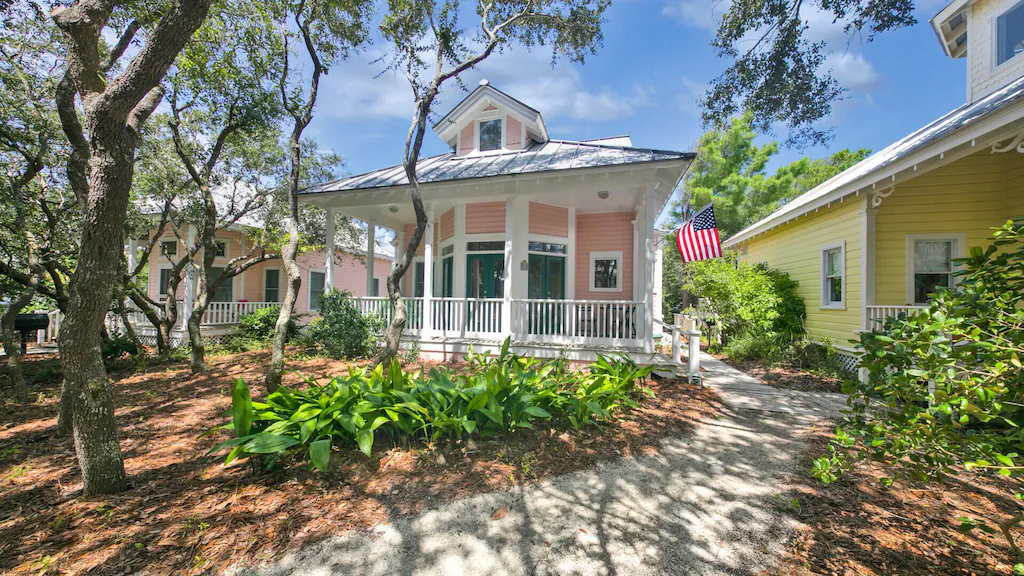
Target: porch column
190, 280
371, 255
657, 291
329, 252
459, 254
516, 226
647, 271
867, 261
428, 276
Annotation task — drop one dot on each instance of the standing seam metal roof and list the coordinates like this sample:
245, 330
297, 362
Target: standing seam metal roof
962, 117
538, 157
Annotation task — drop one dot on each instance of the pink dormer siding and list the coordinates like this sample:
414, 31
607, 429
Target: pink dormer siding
466, 139
513, 133
448, 224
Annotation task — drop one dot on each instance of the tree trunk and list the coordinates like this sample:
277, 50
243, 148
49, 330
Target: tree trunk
87, 392
197, 358
12, 344
291, 291
163, 347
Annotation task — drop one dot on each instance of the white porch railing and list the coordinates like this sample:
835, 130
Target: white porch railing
590, 321
220, 313
473, 317
382, 307
877, 315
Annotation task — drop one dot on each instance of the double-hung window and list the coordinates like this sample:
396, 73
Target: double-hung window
833, 276
606, 271
931, 266
272, 285
317, 281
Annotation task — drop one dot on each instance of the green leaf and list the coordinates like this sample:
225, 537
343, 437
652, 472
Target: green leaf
269, 444
364, 438
320, 454
537, 411
241, 408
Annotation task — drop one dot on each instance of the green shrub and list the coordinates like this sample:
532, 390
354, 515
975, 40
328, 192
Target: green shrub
500, 395
755, 309
341, 331
944, 386
117, 348
820, 357
260, 325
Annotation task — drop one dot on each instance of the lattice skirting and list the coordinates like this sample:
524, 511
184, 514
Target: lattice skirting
849, 361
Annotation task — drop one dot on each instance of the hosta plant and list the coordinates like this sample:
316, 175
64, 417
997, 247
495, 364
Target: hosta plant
501, 395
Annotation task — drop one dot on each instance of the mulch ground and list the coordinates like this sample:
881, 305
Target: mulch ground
858, 526
785, 377
186, 513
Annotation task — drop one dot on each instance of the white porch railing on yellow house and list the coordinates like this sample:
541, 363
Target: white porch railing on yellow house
878, 314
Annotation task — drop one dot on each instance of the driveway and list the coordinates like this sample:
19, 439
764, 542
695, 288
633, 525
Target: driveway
707, 504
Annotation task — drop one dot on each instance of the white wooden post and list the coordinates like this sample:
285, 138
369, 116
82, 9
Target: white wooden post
515, 220
428, 276
693, 356
190, 279
676, 352
647, 274
329, 252
371, 255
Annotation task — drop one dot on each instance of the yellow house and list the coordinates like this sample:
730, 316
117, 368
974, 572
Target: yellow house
877, 239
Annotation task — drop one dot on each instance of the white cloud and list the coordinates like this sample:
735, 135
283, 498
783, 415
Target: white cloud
357, 89
703, 14
853, 71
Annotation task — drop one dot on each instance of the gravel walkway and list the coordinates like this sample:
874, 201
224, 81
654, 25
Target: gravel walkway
707, 504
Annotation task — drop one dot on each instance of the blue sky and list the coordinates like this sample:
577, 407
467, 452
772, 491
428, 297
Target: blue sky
645, 82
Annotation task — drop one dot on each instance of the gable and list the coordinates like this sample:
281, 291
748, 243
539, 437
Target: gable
520, 124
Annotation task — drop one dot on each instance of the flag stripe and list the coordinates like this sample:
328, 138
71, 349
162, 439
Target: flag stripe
698, 238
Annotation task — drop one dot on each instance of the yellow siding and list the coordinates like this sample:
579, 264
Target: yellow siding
795, 248
968, 196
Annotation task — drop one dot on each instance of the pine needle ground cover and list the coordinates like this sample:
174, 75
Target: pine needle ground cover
187, 513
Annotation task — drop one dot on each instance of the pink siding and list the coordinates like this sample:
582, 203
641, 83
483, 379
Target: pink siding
513, 133
235, 246
489, 108
349, 273
466, 140
485, 218
549, 220
606, 232
448, 224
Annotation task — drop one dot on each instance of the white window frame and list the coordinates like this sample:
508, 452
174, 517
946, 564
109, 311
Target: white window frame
825, 304
309, 287
279, 277
173, 241
159, 269
487, 117
376, 283
611, 255
959, 240
221, 243
1000, 11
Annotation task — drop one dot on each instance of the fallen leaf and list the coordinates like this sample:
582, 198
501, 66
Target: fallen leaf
499, 513
582, 530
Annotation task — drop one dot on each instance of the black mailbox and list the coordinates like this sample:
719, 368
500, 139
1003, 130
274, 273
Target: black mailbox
27, 324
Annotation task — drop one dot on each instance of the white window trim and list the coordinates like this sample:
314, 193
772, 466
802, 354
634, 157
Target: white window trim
279, 278
959, 240
485, 237
594, 257
309, 287
487, 117
160, 246
998, 11
160, 267
823, 265
233, 282
227, 248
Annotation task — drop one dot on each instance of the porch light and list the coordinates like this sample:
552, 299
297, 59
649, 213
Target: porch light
602, 194
392, 208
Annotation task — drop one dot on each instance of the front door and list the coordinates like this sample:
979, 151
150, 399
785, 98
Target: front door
547, 282
485, 278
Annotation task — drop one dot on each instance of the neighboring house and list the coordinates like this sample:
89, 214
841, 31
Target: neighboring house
551, 242
876, 240
261, 285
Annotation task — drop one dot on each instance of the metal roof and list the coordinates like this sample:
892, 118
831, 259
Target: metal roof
547, 157
963, 117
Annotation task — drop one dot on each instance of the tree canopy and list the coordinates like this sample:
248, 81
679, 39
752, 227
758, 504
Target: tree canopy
778, 70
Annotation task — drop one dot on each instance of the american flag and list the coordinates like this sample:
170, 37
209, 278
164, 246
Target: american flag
698, 238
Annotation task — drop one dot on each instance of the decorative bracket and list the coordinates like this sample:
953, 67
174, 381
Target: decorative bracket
877, 197
1017, 142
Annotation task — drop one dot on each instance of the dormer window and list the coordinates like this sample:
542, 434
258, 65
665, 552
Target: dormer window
490, 135
1010, 33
